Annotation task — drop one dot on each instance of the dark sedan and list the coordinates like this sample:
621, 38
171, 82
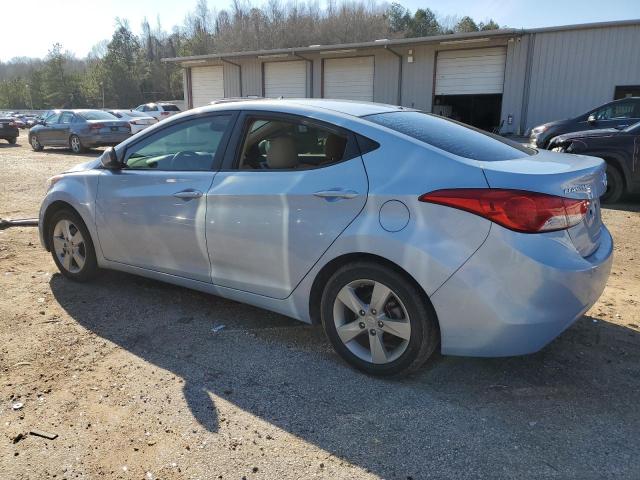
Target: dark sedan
79, 130
8, 129
619, 148
617, 114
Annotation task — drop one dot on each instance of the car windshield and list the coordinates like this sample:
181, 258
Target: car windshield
635, 128
451, 136
97, 115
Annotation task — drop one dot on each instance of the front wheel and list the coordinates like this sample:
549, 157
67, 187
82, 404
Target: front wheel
378, 320
615, 185
75, 144
71, 246
35, 143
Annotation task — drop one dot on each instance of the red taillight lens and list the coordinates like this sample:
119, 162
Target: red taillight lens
165, 113
12, 124
96, 126
527, 212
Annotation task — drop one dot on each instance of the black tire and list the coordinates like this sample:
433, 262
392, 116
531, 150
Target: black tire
35, 143
90, 267
76, 145
12, 140
424, 336
615, 185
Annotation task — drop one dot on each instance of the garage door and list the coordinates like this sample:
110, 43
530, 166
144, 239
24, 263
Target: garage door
467, 72
207, 84
285, 79
349, 78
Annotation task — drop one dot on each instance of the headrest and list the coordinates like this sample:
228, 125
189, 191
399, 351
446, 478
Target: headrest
282, 153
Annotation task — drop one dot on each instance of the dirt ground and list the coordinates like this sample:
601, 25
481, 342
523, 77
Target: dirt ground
136, 384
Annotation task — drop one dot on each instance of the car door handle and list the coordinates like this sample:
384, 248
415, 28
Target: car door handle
336, 193
188, 194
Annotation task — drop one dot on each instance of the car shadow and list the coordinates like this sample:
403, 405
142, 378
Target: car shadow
569, 410
629, 203
4, 144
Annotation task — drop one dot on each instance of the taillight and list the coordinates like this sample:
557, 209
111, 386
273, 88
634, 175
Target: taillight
165, 113
522, 211
96, 126
12, 124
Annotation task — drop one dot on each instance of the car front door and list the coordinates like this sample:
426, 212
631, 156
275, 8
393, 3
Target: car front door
284, 195
151, 214
60, 130
45, 132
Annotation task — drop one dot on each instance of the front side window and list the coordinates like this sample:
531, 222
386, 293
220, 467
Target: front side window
615, 111
52, 119
275, 144
186, 146
451, 136
66, 118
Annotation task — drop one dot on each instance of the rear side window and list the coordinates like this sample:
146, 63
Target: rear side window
97, 115
451, 136
170, 108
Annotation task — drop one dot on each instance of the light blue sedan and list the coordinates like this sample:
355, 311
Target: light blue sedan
399, 231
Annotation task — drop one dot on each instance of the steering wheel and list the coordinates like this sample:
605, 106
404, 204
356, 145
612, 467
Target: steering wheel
186, 154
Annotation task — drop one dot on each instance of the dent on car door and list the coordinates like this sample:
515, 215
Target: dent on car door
151, 214
288, 191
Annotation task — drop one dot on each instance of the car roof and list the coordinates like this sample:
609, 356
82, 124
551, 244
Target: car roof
347, 107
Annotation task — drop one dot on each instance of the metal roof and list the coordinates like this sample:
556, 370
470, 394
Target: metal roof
449, 38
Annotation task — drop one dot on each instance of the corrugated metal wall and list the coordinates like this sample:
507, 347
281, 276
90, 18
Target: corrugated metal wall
575, 70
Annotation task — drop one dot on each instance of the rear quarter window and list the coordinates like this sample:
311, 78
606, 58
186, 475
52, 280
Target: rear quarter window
451, 136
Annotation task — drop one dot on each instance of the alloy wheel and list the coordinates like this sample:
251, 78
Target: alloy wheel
34, 142
75, 144
69, 246
371, 321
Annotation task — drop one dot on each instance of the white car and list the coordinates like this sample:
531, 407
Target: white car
138, 120
159, 110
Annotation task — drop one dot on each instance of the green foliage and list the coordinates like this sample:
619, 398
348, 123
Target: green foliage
465, 25
423, 24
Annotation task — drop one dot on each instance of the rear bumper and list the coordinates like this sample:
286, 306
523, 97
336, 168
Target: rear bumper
518, 292
103, 140
7, 133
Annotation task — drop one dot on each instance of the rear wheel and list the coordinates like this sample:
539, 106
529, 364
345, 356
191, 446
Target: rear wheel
35, 143
377, 320
75, 144
71, 246
12, 140
615, 185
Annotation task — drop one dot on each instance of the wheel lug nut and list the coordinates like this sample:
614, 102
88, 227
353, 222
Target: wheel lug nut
362, 313
380, 324
362, 325
373, 311
373, 332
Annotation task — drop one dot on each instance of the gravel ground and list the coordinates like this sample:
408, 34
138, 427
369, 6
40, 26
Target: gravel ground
130, 375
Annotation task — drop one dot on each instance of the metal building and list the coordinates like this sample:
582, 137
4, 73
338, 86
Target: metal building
506, 79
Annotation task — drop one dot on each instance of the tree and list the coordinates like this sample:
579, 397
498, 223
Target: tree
465, 25
423, 24
398, 17
490, 25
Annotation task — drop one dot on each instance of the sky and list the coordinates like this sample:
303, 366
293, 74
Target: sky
79, 24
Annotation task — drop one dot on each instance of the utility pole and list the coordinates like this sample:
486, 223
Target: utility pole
29, 95
102, 86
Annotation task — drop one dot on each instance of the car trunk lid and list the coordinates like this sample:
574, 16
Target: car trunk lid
107, 127
563, 175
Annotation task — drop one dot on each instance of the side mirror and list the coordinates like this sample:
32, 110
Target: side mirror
109, 159
592, 119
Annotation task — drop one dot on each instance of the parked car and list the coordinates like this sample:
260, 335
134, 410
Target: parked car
619, 148
617, 114
159, 111
137, 120
8, 129
399, 231
79, 130
19, 122
31, 120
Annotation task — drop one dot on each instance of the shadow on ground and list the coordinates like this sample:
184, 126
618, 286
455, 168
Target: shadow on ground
570, 410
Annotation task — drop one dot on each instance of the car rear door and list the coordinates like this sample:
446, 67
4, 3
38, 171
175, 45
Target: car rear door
151, 214
286, 191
